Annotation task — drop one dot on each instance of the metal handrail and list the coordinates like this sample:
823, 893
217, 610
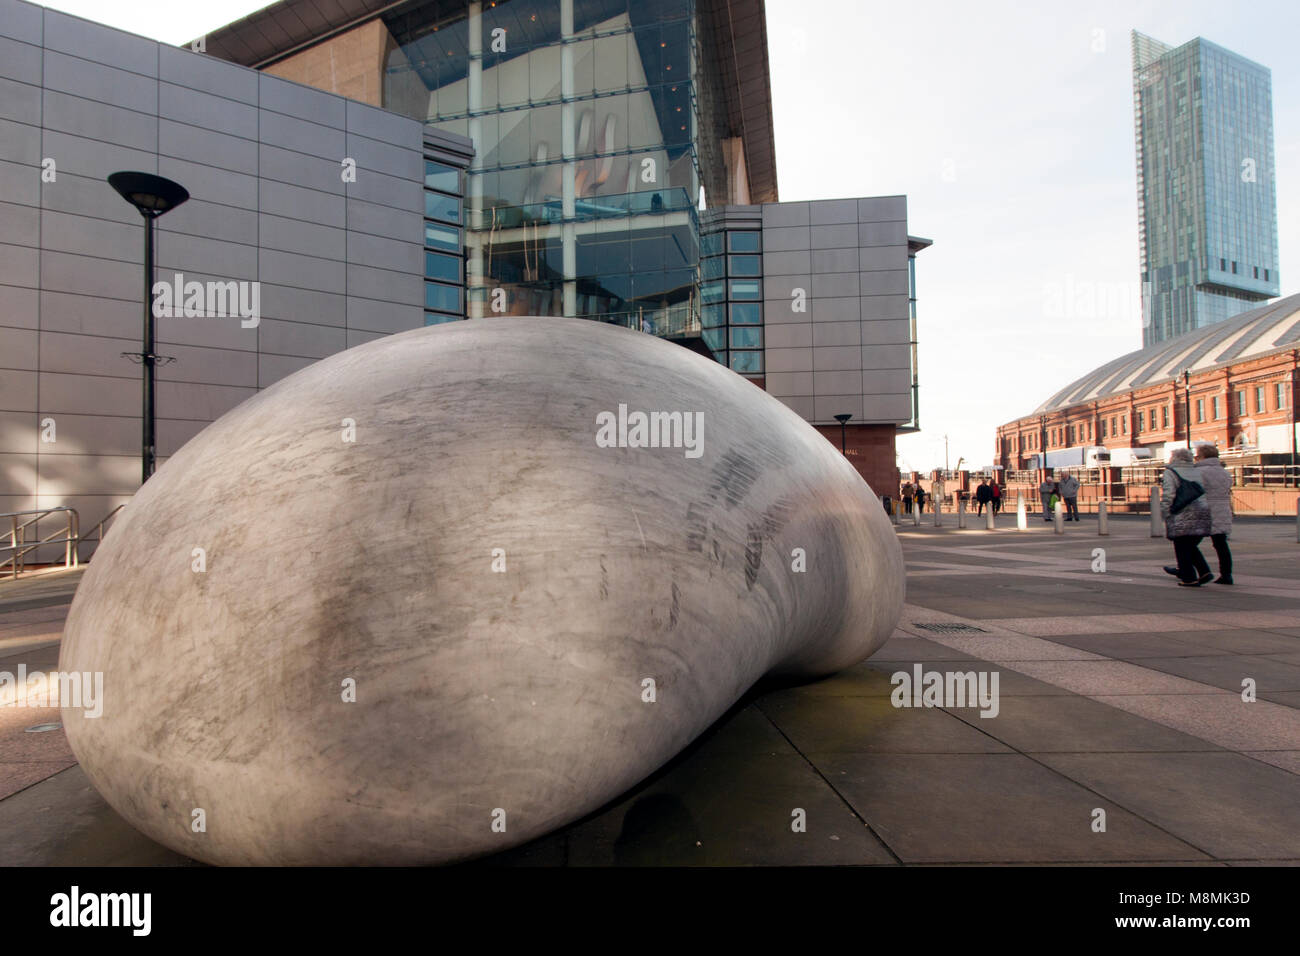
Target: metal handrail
20, 546
98, 531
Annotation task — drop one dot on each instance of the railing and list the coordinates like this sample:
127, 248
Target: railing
19, 545
97, 532
682, 318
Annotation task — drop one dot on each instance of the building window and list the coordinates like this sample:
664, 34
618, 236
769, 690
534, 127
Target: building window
443, 259
1114, 428
1103, 428
750, 337
743, 242
746, 313
1137, 425
745, 266
1280, 387
1200, 409
1261, 403
1241, 401
1164, 416
1123, 424
747, 362
746, 289
1214, 406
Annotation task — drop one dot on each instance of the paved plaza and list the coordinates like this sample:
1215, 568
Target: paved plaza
1118, 692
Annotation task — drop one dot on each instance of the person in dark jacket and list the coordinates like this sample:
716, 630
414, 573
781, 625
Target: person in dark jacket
983, 495
920, 499
1192, 523
1217, 482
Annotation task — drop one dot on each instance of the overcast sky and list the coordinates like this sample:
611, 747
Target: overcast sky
1009, 126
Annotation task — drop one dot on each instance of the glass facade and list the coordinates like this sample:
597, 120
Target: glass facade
443, 250
1206, 195
732, 293
582, 198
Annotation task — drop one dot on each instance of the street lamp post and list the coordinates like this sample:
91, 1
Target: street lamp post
152, 196
843, 420
1187, 404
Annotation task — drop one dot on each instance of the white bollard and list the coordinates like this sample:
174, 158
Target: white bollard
1157, 524
1103, 519
1058, 518
961, 512
988, 518
938, 512
1022, 516
916, 516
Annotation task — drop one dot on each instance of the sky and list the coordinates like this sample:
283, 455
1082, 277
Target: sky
1009, 127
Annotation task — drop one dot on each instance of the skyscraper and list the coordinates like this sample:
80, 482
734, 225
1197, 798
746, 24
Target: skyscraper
1207, 210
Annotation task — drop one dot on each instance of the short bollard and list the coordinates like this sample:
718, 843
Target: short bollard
893, 514
1058, 518
1022, 516
1157, 525
961, 512
916, 516
988, 519
1103, 519
938, 512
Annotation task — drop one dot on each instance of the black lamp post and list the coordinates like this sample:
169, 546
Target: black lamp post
843, 420
152, 196
1187, 404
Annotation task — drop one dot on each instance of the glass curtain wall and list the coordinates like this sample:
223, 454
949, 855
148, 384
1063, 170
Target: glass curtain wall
731, 290
582, 196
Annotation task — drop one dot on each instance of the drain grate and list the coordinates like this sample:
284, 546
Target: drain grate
951, 628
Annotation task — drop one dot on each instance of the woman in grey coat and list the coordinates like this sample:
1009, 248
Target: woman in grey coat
1217, 482
1190, 525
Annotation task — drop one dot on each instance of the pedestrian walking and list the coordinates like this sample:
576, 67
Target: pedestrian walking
907, 497
1187, 518
983, 495
1045, 488
1070, 495
920, 498
995, 491
1217, 482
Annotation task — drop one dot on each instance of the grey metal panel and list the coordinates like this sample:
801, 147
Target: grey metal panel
63, 232
361, 337
214, 112
203, 402
20, 184
91, 474
883, 209
884, 307
788, 383
90, 395
396, 287
780, 215
384, 125
380, 157
18, 348
385, 254
208, 182
834, 237
300, 338
797, 262
847, 382
801, 405
17, 477
211, 147
826, 407
201, 72
887, 356
368, 315
305, 238
110, 124
777, 311
779, 290
789, 360
893, 282
19, 434
882, 234
879, 258
303, 272
94, 41
834, 286
786, 239
87, 355
18, 307
18, 391
837, 358
386, 221
220, 333
18, 265
22, 21
20, 61
303, 136
90, 315
840, 309
301, 169
272, 368
281, 199
213, 220
173, 433
89, 158
789, 337
20, 225
294, 99
188, 254
827, 212
20, 143
303, 305
887, 408
104, 84
20, 102
830, 334
211, 366
834, 260
388, 191
94, 435
886, 381
885, 332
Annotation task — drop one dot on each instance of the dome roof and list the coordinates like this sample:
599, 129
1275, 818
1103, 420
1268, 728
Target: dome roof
1269, 328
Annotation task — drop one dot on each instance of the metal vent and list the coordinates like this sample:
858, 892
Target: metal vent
951, 628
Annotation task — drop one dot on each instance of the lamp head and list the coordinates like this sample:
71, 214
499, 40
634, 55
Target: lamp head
151, 195
842, 418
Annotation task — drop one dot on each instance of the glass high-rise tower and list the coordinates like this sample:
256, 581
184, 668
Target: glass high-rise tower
1207, 210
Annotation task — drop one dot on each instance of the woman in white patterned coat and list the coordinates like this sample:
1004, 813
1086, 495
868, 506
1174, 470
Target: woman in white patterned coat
1217, 482
1190, 525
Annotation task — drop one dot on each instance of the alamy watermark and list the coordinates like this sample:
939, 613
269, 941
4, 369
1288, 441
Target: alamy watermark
81, 689
208, 300
651, 430
946, 689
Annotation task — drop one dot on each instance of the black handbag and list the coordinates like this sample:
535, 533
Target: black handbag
1188, 491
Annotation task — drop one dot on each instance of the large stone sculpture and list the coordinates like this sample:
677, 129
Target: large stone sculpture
440, 594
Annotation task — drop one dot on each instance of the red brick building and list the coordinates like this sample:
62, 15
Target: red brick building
1238, 380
